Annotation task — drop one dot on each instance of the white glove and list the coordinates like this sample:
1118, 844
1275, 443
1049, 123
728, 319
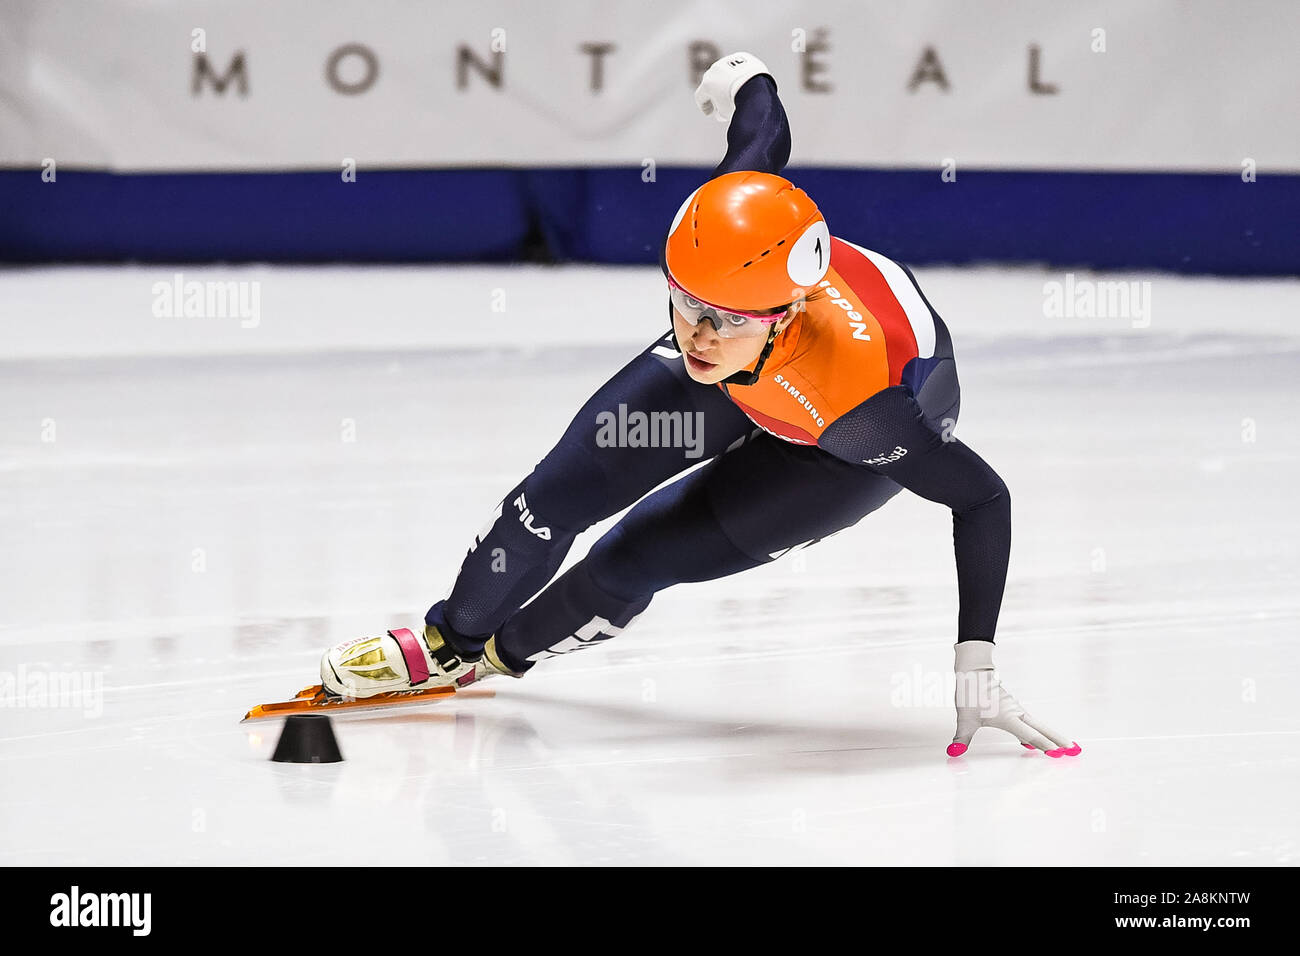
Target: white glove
716, 93
982, 701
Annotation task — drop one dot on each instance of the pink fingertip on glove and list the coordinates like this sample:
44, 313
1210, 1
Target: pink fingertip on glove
1071, 751
956, 750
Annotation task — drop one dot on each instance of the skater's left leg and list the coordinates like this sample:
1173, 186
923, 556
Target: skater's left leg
745, 508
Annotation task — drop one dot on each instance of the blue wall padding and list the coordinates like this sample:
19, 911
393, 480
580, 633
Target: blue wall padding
1182, 222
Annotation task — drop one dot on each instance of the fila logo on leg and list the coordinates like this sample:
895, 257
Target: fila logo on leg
526, 519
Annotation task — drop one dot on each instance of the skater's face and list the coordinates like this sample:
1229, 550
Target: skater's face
709, 357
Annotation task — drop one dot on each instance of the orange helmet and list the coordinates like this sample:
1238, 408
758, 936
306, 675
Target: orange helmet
748, 241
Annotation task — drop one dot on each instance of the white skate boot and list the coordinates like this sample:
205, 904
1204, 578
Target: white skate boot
400, 661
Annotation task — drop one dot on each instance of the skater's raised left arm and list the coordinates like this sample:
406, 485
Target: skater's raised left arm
739, 90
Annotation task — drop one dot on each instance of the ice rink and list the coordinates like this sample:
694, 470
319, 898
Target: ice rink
193, 509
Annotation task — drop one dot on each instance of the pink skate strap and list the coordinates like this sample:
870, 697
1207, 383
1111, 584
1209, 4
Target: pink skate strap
415, 663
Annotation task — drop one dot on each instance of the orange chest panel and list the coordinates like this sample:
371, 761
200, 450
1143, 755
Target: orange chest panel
854, 339
836, 359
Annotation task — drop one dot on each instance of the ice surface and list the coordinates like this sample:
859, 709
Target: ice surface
185, 522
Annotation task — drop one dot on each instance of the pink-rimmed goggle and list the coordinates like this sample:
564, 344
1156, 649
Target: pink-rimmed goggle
728, 323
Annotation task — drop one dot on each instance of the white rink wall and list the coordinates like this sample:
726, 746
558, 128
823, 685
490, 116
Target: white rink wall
71, 312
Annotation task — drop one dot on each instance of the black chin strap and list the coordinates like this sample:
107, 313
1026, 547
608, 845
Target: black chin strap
749, 378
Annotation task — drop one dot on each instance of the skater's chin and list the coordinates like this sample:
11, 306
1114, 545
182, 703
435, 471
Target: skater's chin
700, 368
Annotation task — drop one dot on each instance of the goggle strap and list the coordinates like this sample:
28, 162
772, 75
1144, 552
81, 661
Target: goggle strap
672, 330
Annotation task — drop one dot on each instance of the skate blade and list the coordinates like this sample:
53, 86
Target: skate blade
314, 700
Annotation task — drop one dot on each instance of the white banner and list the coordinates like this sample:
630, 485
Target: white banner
307, 84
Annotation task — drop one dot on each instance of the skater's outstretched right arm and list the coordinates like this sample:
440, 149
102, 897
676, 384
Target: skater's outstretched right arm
889, 434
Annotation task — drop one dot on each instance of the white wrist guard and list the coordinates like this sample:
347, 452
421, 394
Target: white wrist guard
716, 94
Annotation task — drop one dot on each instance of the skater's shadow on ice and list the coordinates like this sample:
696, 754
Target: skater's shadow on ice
756, 745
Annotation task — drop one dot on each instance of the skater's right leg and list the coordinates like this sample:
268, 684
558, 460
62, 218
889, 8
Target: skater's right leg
604, 462
743, 509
